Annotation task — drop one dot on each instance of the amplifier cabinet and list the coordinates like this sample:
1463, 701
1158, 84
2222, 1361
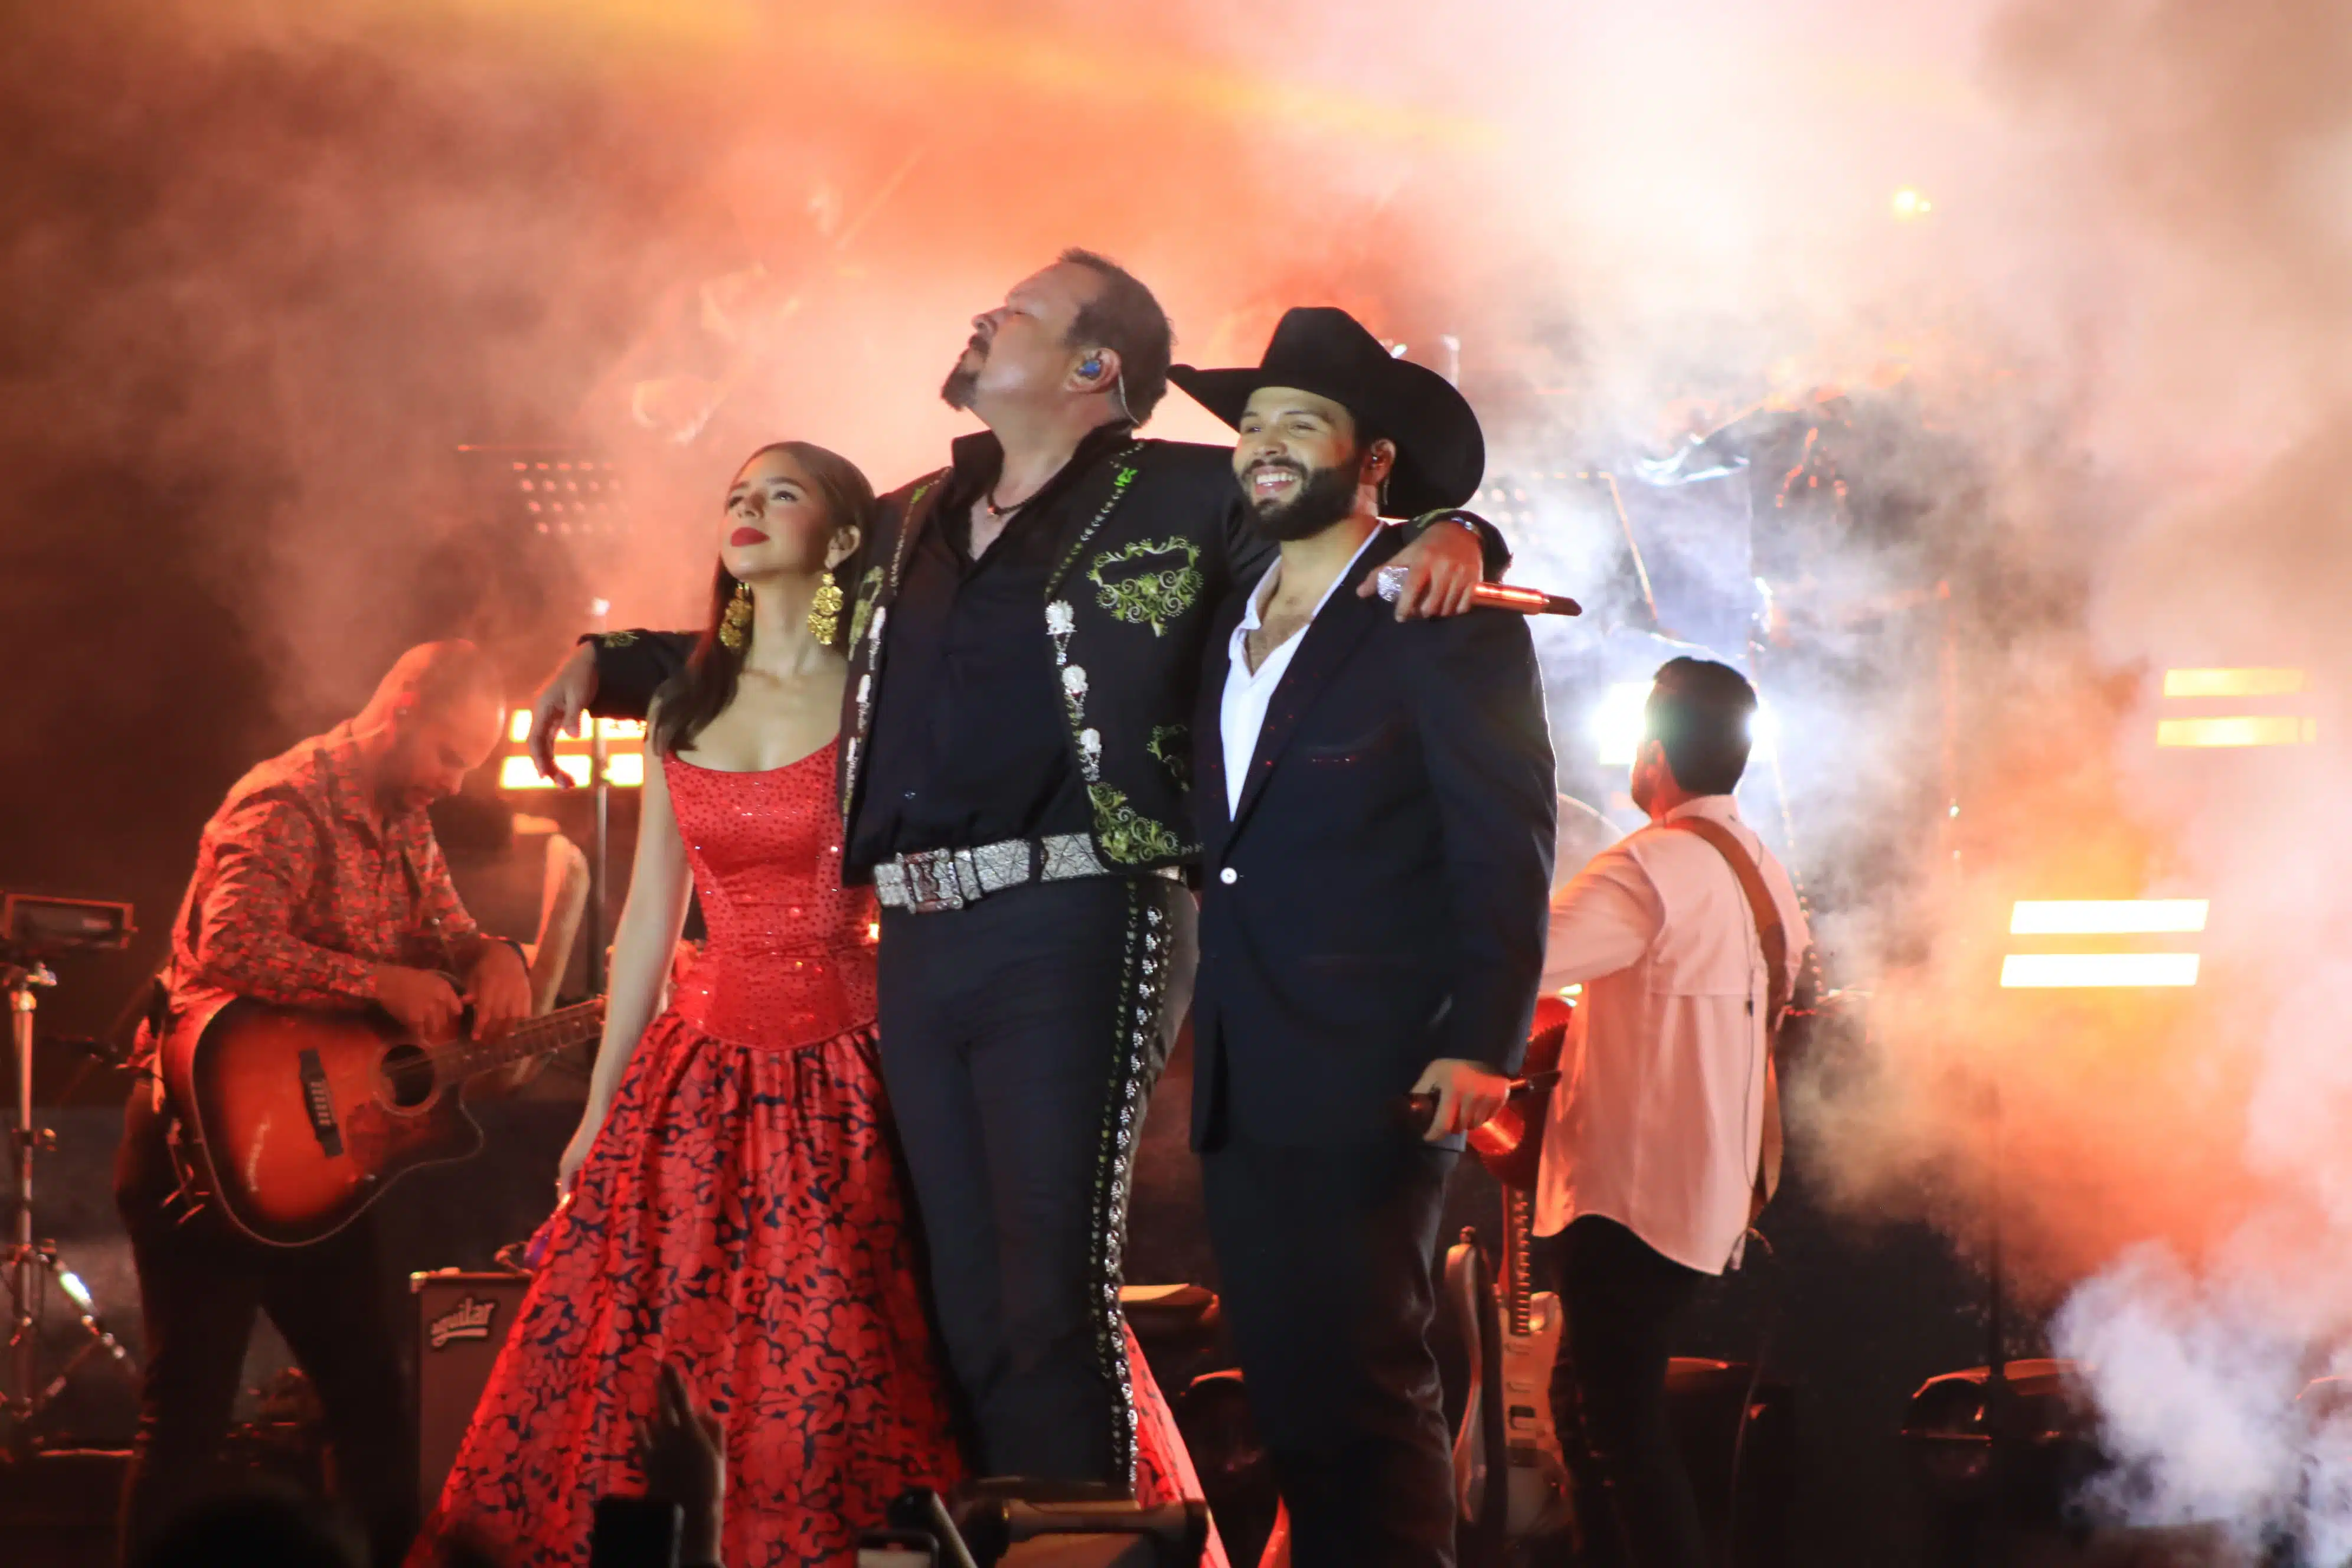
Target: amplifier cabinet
462, 1319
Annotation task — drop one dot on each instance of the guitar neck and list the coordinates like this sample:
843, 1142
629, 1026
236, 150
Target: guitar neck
544, 1036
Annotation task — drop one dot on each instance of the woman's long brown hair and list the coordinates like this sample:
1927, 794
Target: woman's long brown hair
701, 692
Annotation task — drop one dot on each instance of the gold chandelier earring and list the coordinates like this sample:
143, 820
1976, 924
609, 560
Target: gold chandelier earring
825, 610
735, 626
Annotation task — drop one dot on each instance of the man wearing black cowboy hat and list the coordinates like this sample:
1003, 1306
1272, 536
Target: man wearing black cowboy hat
1375, 807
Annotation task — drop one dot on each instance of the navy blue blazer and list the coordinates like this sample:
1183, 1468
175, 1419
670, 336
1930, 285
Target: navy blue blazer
1378, 900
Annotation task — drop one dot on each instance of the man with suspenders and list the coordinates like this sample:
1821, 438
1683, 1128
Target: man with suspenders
1665, 1138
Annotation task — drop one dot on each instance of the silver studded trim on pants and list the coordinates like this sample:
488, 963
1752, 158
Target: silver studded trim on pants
1143, 993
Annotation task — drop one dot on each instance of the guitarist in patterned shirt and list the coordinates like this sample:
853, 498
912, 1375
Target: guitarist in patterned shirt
318, 884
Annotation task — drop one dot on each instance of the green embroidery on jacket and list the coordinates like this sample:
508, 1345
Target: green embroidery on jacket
1118, 483
1126, 835
1172, 743
869, 588
1153, 599
616, 639
907, 529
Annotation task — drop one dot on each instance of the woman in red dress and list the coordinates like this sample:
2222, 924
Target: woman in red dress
735, 1207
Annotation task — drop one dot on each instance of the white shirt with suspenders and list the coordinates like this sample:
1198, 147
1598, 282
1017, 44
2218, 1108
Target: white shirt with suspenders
1665, 1117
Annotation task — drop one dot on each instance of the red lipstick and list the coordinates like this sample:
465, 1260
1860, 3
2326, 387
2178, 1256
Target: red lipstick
747, 535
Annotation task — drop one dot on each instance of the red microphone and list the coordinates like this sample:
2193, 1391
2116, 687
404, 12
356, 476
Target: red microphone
1389, 582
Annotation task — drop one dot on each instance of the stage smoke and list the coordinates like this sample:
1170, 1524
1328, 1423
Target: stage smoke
263, 267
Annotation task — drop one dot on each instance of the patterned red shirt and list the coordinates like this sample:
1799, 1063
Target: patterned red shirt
299, 892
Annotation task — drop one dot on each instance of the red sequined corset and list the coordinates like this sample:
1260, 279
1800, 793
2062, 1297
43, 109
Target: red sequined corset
790, 954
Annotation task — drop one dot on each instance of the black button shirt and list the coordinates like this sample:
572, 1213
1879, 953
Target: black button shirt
969, 744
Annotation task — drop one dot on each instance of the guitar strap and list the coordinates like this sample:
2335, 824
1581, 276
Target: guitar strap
1773, 937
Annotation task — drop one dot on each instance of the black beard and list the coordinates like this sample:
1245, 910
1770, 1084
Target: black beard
957, 390
1328, 495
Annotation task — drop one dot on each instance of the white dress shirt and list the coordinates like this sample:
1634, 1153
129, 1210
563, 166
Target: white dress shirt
1241, 713
1658, 1117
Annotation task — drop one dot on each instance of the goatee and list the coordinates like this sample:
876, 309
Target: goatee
1326, 496
963, 382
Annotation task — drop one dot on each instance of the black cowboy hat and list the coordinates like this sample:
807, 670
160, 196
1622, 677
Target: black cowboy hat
1441, 454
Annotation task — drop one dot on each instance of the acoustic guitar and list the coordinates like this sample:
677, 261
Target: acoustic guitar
293, 1120
1513, 1329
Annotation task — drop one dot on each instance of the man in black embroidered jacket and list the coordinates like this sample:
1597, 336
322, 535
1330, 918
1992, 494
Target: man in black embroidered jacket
1024, 648
1376, 811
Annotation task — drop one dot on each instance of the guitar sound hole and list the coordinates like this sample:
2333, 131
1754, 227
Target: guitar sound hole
407, 1076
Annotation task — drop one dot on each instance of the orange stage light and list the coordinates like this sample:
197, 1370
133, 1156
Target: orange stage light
628, 730
2106, 917
623, 770
2043, 971
625, 757
517, 772
2232, 683
2241, 729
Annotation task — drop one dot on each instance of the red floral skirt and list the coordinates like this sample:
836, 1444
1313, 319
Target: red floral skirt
740, 1213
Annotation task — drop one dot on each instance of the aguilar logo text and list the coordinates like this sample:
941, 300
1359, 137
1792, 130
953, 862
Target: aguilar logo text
468, 1319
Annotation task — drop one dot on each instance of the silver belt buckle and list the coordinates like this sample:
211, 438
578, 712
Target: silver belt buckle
931, 880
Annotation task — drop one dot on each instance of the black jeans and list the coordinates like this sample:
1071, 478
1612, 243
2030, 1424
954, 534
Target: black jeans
1325, 1259
1021, 1038
1620, 1298
200, 1284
